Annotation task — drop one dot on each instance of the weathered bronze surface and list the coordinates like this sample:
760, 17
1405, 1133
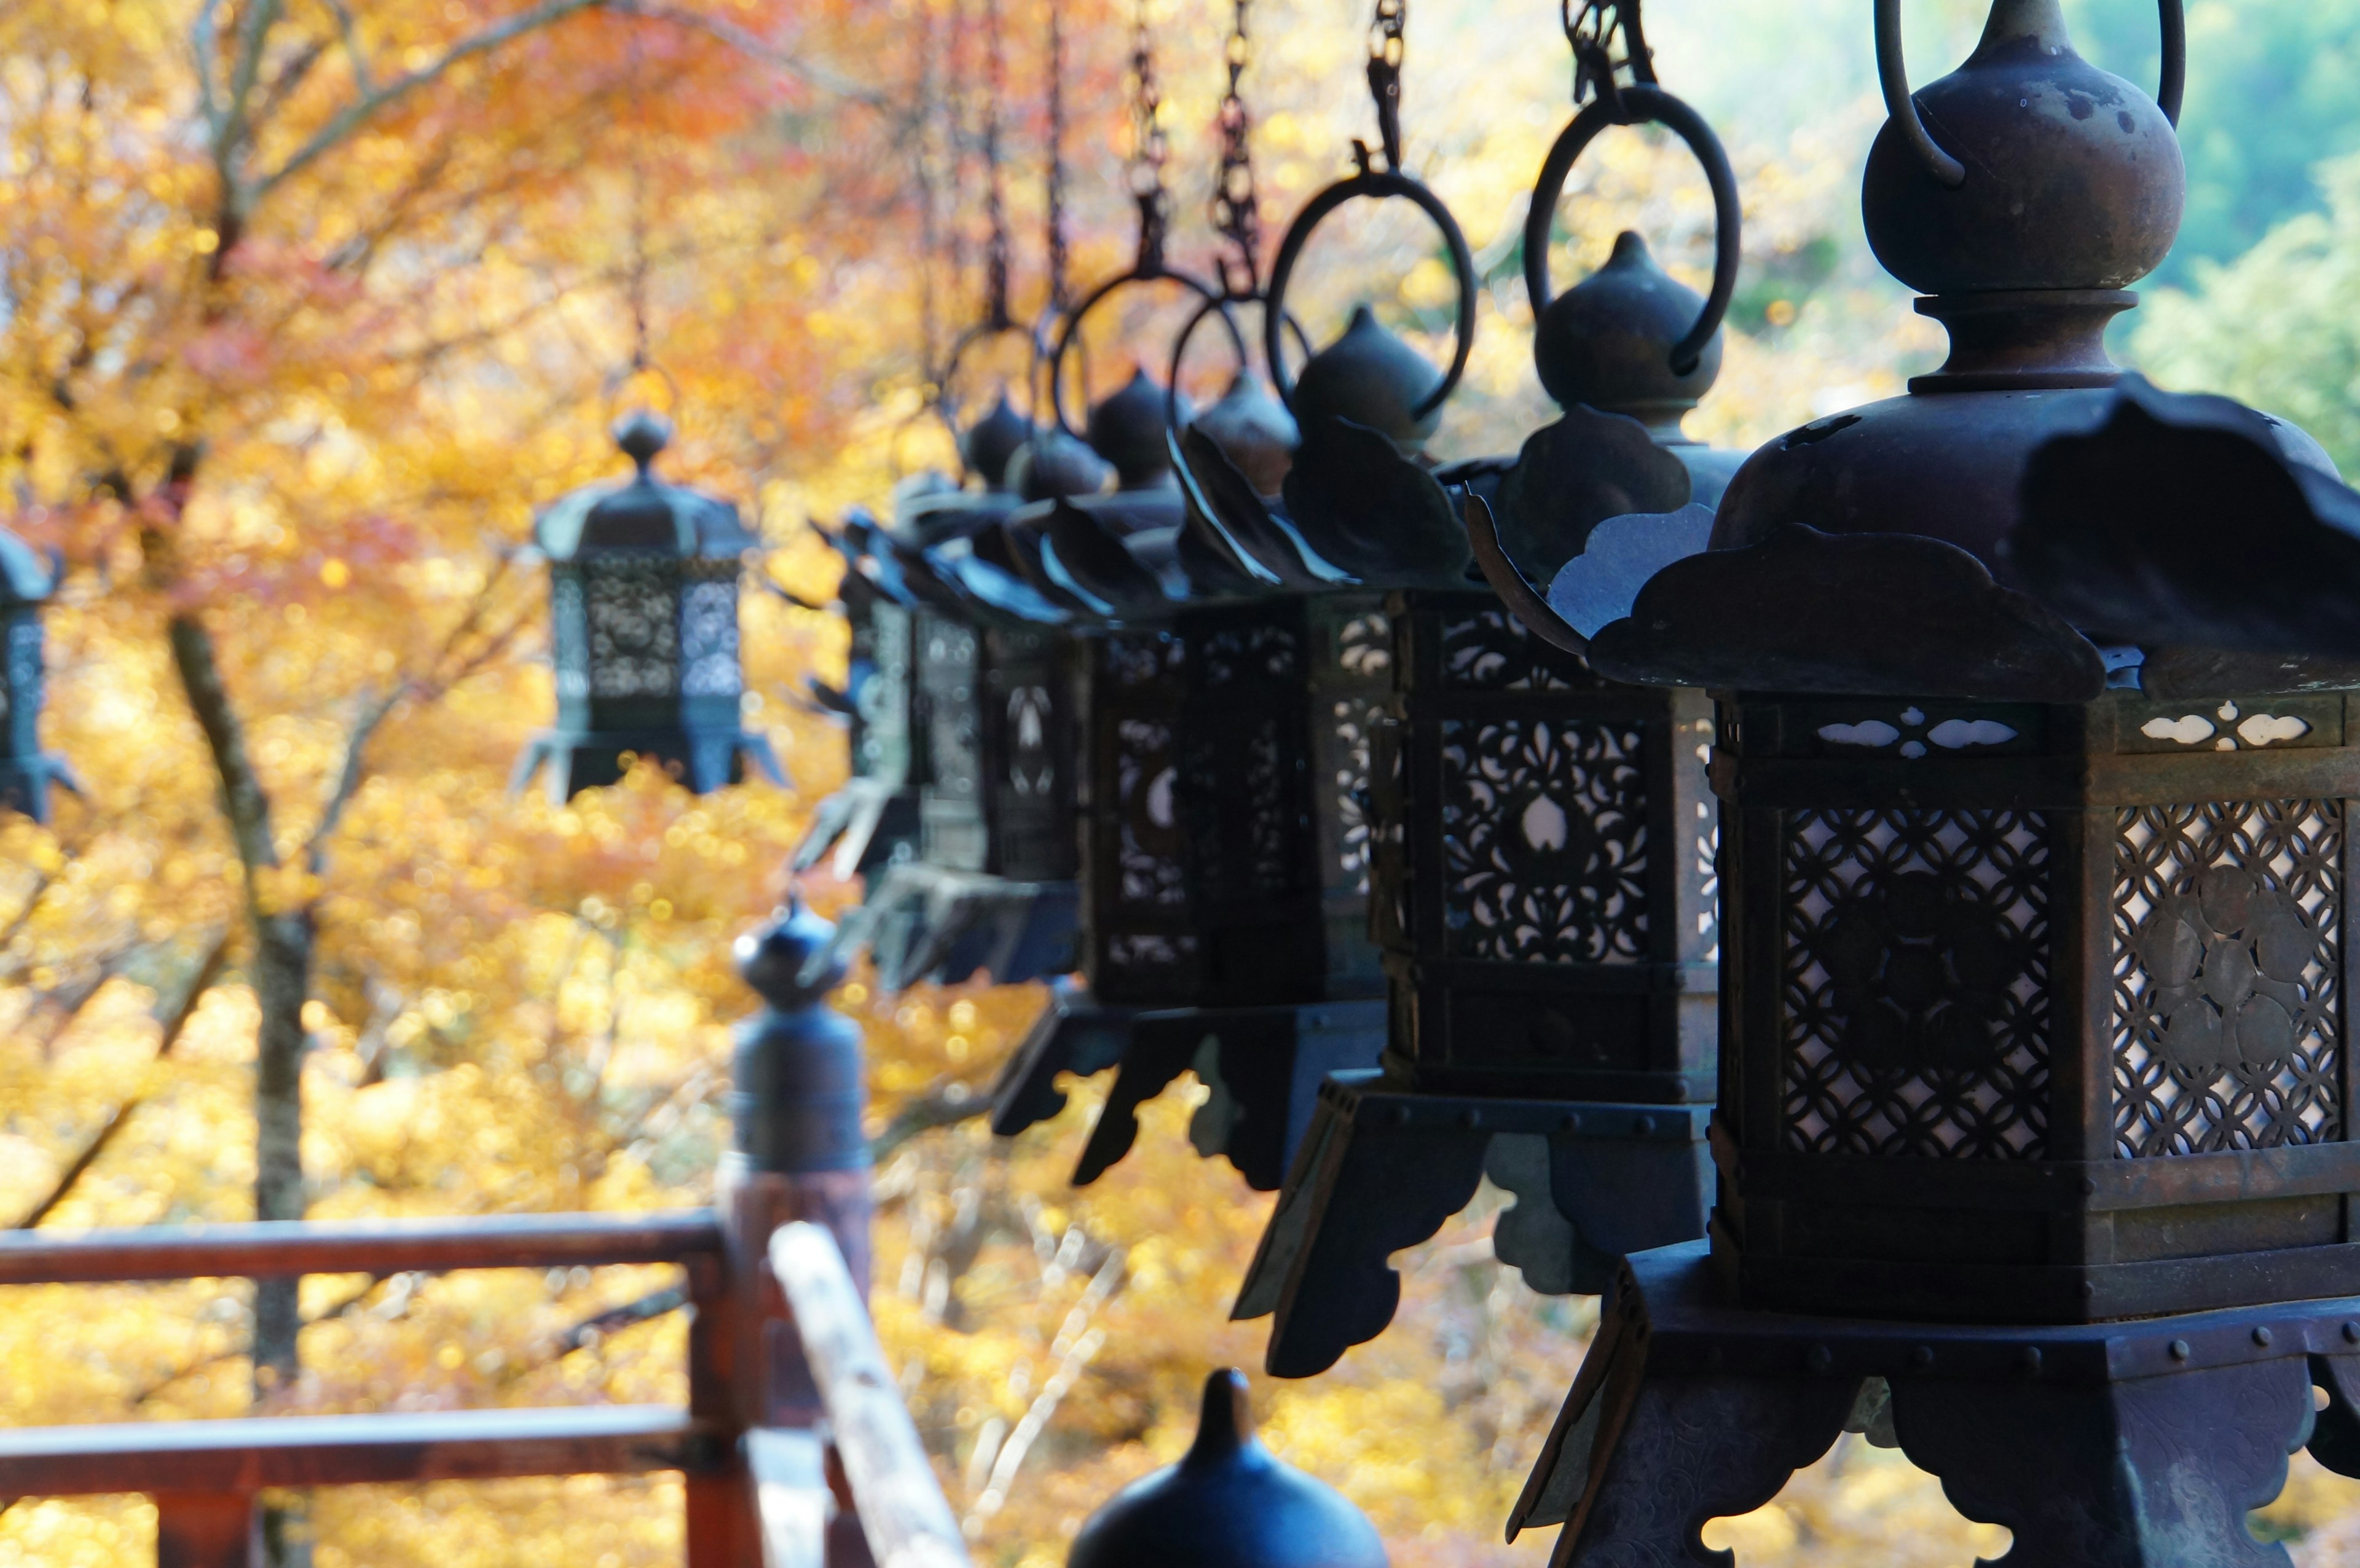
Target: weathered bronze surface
26, 772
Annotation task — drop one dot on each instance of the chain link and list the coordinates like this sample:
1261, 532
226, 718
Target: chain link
1387, 48
1592, 26
1060, 294
1237, 206
995, 193
1150, 147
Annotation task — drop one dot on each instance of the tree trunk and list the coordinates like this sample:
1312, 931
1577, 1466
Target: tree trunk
279, 968
282, 983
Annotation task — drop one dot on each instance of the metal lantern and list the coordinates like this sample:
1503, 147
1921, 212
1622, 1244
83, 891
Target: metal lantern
872, 820
988, 884
644, 610
1543, 887
26, 772
2031, 1114
1223, 889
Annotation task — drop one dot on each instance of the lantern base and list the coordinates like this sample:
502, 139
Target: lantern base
923, 922
867, 825
26, 781
1384, 1166
1264, 1067
571, 761
2146, 1441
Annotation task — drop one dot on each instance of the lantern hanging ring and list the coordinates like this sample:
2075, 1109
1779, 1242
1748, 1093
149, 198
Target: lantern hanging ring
1893, 74
1210, 300
1379, 186
1639, 105
1387, 47
1225, 306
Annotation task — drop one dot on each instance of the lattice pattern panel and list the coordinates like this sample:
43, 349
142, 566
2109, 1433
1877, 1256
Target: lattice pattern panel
1491, 650
2228, 1018
23, 677
948, 654
1916, 982
1250, 654
1130, 661
1544, 841
1148, 857
708, 639
884, 697
634, 610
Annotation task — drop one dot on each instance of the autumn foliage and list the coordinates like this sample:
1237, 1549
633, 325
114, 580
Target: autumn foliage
305, 307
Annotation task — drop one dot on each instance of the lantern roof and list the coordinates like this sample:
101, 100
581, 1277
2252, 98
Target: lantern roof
25, 577
643, 514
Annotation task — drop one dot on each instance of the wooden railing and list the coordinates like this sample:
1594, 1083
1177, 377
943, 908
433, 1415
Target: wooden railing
755, 1494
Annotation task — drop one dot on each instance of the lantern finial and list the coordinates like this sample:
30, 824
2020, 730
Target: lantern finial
642, 434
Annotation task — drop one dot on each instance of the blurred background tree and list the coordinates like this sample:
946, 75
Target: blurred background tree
306, 306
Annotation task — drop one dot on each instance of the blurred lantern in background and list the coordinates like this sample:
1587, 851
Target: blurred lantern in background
26, 772
643, 638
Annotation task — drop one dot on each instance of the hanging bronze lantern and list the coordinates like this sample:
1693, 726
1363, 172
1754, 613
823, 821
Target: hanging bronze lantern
1543, 878
26, 772
2030, 1119
644, 610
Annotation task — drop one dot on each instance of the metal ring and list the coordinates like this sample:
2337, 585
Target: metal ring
1644, 105
1377, 185
1188, 330
982, 331
1067, 336
1892, 75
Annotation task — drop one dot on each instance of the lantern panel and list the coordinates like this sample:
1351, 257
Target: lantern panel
708, 638
1350, 682
1916, 982
634, 635
881, 747
2228, 1029
20, 693
950, 810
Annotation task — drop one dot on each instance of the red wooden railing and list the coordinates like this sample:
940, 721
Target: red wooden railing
204, 1475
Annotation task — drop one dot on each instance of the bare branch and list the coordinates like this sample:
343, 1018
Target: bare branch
354, 54
374, 711
752, 45
205, 41
209, 970
375, 102
946, 1105
244, 800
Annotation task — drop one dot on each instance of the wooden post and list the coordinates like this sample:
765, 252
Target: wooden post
797, 1101
206, 1530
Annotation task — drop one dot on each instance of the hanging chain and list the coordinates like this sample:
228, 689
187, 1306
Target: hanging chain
1149, 149
636, 285
995, 194
1059, 295
930, 184
1386, 47
1237, 207
1592, 26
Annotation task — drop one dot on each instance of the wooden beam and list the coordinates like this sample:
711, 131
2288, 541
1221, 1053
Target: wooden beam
280, 1248
224, 1458
903, 1511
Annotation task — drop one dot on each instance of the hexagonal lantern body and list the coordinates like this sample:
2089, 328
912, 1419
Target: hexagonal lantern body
1225, 848
871, 821
643, 606
1544, 886
996, 700
2038, 1011
26, 772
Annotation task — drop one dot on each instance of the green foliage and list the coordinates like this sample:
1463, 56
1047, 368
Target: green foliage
2274, 328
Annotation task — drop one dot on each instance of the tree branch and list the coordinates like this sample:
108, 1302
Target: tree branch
945, 1107
374, 101
355, 55
244, 800
208, 971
